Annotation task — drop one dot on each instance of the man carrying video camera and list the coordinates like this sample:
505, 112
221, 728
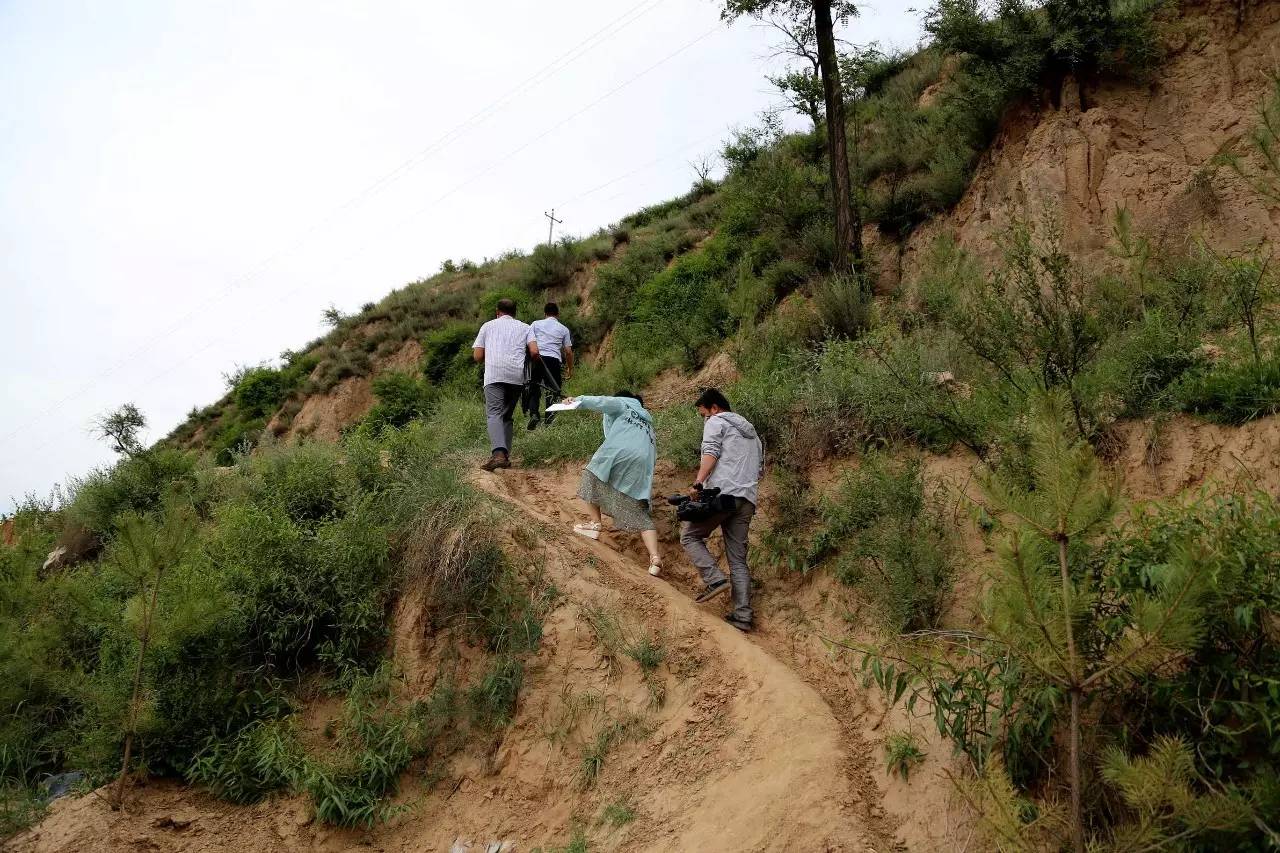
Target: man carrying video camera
732, 461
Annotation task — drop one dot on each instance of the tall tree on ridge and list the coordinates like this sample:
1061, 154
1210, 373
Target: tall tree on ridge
802, 87
822, 15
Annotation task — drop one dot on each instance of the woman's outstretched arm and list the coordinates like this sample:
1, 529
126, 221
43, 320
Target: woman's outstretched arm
608, 405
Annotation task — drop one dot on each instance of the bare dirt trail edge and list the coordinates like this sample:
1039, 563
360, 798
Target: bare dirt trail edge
741, 754
789, 785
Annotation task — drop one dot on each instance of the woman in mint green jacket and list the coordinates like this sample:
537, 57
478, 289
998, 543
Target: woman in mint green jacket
619, 478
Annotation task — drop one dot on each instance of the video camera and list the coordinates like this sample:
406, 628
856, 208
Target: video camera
708, 503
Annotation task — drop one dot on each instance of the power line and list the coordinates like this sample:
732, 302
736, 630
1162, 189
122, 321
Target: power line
645, 167
555, 66
519, 149
551, 224
284, 297
403, 222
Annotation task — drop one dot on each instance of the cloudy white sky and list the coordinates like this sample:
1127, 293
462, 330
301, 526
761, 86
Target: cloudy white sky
186, 186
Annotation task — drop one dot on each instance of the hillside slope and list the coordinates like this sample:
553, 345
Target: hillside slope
1147, 148
726, 749
643, 722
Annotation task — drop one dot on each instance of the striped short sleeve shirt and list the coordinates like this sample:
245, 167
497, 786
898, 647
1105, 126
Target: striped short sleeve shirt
504, 340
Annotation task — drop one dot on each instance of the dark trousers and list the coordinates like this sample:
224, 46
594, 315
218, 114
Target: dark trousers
544, 381
734, 527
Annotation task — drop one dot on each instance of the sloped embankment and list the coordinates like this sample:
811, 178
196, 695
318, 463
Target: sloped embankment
1151, 147
719, 746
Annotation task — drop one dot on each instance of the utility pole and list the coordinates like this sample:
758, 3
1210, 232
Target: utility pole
552, 224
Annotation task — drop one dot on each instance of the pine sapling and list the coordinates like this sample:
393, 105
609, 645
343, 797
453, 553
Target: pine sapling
1043, 605
149, 546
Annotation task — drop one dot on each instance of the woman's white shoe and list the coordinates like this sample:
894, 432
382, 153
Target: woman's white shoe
591, 530
655, 566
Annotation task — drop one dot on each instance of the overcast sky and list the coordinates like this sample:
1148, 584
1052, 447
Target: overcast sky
186, 186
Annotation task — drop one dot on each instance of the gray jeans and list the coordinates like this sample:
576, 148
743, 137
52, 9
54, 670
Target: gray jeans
500, 399
734, 527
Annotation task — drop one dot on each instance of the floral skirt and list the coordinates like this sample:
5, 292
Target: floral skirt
627, 512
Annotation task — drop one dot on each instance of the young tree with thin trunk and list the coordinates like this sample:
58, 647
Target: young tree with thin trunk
1045, 607
1248, 286
148, 547
822, 16
1063, 642
120, 428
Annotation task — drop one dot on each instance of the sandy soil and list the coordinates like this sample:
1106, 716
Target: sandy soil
760, 742
741, 753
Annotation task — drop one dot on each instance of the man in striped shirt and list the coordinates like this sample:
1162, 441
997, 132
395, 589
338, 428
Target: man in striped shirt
502, 345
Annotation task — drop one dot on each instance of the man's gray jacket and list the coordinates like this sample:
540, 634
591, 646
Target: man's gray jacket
734, 442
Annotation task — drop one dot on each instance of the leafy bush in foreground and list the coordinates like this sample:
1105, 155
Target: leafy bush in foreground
1105, 652
290, 577
892, 541
1234, 393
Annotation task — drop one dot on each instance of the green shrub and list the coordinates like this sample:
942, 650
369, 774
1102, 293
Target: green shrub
1223, 696
779, 192
550, 266
844, 305
783, 278
401, 397
893, 543
136, 485
259, 391
684, 307
519, 293
902, 752
1233, 393
618, 813
656, 212
878, 390
492, 702
1080, 624
1137, 369
20, 807
235, 438
679, 432
1034, 321
291, 579
258, 760
378, 737
572, 437
446, 353
619, 281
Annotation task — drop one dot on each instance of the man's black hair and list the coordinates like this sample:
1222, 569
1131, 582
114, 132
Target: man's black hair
631, 395
551, 309
712, 397
507, 306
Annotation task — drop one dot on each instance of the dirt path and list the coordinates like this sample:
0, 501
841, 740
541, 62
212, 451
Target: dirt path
801, 778
726, 745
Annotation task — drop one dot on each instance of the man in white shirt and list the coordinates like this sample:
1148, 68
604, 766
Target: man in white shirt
552, 369
502, 345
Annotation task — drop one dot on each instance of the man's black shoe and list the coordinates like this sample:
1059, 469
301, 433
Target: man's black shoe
712, 591
744, 627
533, 424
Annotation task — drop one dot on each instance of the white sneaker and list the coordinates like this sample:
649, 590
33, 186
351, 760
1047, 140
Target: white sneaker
591, 530
655, 566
